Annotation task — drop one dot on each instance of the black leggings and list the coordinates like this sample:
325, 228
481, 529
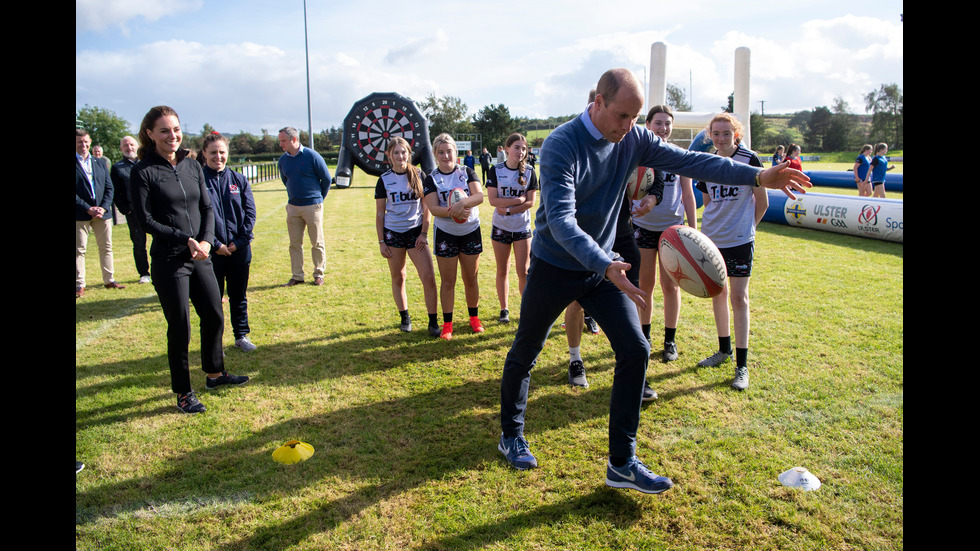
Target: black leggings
179, 280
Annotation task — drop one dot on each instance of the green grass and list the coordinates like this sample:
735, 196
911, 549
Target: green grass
405, 426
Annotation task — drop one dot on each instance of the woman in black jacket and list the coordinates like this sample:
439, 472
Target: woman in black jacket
171, 202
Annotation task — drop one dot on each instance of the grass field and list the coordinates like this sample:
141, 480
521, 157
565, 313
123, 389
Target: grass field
405, 426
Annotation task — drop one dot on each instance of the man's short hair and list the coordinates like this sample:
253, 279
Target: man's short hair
612, 80
291, 132
79, 132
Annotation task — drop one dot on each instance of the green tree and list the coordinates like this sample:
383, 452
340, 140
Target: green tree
495, 124
887, 107
446, 114
675, 98
105, 127
838, 136
242, 143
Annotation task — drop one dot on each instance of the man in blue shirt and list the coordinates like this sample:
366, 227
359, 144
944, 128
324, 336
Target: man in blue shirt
584, 167
307, 180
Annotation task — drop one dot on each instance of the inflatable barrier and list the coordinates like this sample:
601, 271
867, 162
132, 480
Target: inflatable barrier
845, 179
860, 216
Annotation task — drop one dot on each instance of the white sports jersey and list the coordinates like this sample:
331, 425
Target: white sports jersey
729, 217
442, 184
669, 212
509, 187
403, 210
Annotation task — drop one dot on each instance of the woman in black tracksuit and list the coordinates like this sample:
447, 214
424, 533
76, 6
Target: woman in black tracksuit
171, 202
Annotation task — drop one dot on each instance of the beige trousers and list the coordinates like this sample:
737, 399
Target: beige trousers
309, 218
103, 238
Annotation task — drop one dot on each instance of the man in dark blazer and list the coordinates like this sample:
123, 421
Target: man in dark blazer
93, 212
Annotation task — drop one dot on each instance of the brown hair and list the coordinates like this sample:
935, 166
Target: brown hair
414, 180
151, 117
214, 136
521, 164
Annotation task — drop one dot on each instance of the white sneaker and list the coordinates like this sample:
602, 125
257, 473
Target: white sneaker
741, 381
144, 279
245, 344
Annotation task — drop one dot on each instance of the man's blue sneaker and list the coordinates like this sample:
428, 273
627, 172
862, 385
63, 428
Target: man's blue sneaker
517, 452
634, 475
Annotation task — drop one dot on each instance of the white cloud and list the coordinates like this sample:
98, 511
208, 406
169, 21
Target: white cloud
99, 15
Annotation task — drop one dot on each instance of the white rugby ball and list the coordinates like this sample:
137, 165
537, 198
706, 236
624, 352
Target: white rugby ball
455, 196
639, 183
692, 261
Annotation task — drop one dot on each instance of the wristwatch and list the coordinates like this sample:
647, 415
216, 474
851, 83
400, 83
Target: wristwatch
508, 211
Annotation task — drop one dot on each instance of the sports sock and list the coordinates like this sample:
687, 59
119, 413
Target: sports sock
433, 321
617, 461
725, 344
447, 317
646, 330
404, 315
669, 334
574, 354
474, 312
741, 357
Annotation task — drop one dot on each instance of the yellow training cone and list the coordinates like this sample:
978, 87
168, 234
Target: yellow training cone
293, 451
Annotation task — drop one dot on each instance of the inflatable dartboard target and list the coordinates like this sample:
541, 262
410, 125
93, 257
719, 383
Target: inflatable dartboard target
371, 124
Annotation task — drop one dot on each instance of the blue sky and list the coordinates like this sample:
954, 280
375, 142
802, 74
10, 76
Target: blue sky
241, 65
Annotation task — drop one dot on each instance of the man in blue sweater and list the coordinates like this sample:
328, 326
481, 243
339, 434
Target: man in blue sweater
584, 167
307, 180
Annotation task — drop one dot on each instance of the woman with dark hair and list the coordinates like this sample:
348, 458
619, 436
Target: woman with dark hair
170, 200
234, 218
511, 188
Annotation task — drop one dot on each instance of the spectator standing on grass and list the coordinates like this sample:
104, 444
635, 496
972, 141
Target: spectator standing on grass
879, 167
777, 157
307, 180
485, 161
234, 220
793, 157
119, 174
678, 200
402, 222
171, 202
511, 189
862, 171
93, 213
458, 245
729, 220
583, 180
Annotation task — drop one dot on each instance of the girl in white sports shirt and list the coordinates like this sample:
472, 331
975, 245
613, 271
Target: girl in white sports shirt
730, 216
511, 188
402, 223
678, 200
457, 244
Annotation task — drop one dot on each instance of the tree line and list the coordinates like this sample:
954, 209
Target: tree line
824, 128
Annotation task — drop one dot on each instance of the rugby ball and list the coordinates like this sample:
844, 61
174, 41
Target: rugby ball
692, 261
639, 183
455, 196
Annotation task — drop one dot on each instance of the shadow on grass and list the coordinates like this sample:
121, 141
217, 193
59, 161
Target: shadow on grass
390, 446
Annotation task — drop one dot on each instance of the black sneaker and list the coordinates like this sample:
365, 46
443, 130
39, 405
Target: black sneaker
591, 326
576, 374
435, 330
648, 392
225, 379
504, 316
188, 403
670, 351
